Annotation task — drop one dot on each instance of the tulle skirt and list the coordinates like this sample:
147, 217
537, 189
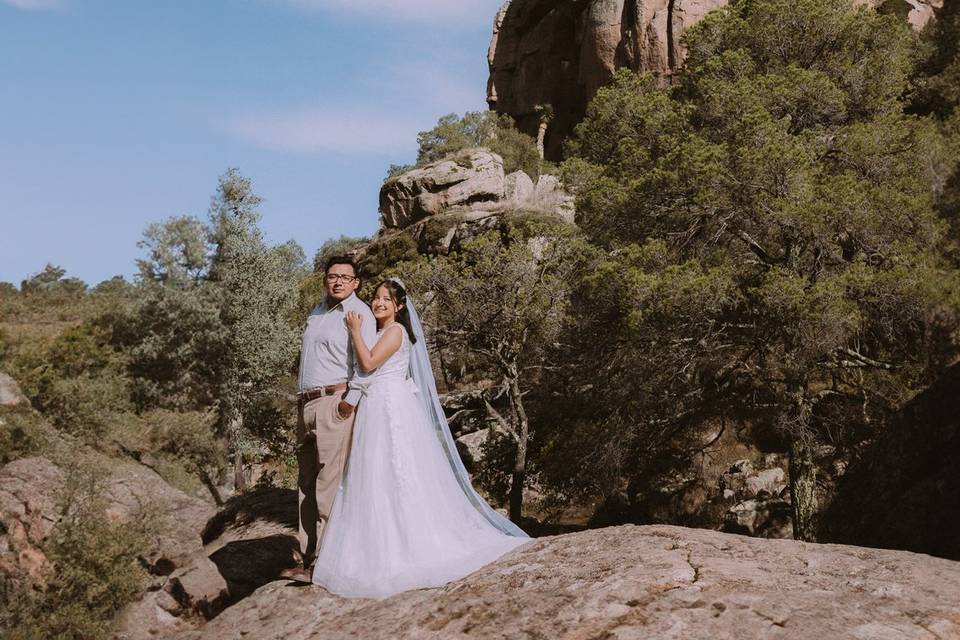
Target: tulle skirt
400, 520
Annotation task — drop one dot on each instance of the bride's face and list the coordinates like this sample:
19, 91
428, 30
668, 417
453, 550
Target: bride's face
383, 305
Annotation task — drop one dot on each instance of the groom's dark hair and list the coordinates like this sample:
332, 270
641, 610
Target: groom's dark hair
342, 260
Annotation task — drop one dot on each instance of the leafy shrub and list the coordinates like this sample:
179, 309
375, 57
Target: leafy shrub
21, 433
96, 570
87, 405
187, 436
488, 129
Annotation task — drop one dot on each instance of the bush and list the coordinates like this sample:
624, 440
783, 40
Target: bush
187, 436
87, 405
478, 129
21, 433
96, 570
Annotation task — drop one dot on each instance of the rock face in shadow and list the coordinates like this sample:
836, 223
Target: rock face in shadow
904, 491
636, 582
29, 495
559, 52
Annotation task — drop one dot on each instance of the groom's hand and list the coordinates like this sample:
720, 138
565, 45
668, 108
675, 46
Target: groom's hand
344, 409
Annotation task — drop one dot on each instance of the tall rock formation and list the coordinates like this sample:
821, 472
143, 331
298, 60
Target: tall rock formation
438, 206
559, 52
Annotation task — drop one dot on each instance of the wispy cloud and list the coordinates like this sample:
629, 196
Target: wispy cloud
34, 5
449, 12
347, 131
434, 85
394, 102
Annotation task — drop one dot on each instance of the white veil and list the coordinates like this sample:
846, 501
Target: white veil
422, 374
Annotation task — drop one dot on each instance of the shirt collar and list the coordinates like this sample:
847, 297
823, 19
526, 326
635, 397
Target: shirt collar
343, 303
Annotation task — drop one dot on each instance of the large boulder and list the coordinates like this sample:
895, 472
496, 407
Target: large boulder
436, 208
635, 582
467, 178
560, 52
253, 538
245, 546
131, 487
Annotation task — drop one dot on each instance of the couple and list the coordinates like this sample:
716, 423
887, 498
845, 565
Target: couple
385, 502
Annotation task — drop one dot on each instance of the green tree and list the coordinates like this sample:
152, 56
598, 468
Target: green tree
174, 339
479, 129
212, 326
774, 251
937, 86
53, 280
937, 92
502, 300
257, 288
344, 245
177, 251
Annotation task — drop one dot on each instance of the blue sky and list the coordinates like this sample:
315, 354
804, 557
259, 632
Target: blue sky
118, 113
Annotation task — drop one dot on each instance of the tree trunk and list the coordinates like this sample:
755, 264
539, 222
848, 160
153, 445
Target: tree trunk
541, 136
803, 490
211, 487
239, 479
520, 459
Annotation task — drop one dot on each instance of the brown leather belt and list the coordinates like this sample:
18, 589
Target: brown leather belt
320, 392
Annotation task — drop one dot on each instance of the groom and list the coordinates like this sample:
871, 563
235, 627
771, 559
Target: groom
326, 403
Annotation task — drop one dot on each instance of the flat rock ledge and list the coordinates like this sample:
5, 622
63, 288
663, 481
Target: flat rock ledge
628, 582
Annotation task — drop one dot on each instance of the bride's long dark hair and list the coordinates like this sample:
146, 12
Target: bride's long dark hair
399, 297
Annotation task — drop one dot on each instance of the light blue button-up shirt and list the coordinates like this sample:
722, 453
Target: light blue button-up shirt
326, 355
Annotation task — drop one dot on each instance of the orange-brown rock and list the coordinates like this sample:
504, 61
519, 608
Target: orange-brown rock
559, 52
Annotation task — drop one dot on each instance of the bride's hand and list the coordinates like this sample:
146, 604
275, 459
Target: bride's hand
354, 320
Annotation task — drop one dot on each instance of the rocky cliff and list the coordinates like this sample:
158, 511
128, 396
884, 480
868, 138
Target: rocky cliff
558, 53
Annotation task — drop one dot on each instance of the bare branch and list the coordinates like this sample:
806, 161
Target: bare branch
759, 251
500, 420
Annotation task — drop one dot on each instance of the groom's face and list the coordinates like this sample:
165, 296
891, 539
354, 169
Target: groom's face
340, 282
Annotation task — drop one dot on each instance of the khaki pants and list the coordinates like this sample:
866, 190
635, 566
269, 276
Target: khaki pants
324, 447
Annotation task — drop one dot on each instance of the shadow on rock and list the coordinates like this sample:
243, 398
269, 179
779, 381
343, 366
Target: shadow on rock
904, 491
261, 507
247, 565
253, 538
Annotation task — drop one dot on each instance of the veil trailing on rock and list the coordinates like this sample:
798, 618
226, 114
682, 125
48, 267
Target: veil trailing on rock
422, 374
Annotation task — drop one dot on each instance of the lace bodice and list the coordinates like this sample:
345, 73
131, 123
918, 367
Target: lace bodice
397, 364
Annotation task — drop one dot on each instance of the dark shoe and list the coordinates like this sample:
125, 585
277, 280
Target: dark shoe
298, 575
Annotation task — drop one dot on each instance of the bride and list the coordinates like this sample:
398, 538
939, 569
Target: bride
405, 516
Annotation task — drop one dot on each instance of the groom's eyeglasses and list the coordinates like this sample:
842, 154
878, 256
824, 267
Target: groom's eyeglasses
342, 277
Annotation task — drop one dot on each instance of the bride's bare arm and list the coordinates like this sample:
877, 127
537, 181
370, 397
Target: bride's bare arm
387, 345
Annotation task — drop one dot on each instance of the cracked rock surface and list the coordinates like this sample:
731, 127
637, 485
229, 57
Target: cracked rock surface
636, 582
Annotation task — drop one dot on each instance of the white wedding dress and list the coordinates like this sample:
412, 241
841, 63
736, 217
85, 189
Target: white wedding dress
401, 519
